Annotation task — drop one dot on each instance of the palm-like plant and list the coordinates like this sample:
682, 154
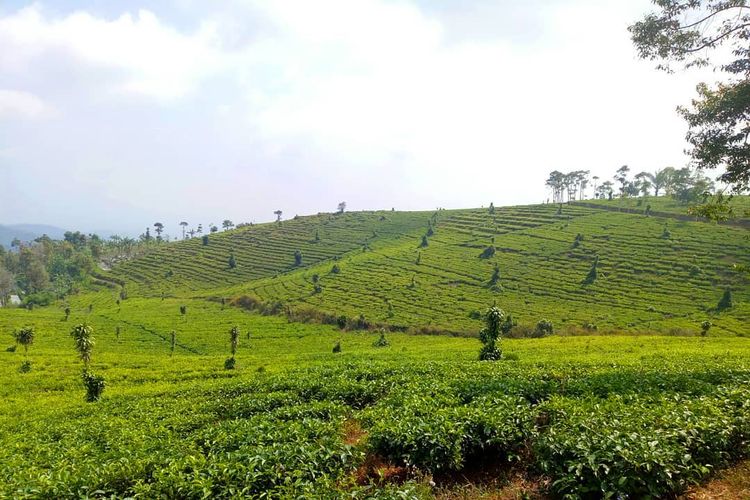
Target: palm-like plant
184, 225
25, 337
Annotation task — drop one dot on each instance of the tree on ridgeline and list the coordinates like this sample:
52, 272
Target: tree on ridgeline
341, 207
604, 190
491, 210
158, 228
227, 224
690, 33
278, 214
622, 177
184, 225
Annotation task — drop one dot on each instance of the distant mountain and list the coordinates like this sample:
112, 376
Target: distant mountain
28, 232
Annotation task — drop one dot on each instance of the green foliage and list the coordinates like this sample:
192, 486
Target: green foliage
234, 340
424, 243
666, 234
705, 327
233, 262
543, 328
337, 347
496, 323
25, 366
593, 272
488, 252
94, 385
381, 341
83, 338
204, 240
25, 337
229, 363
172, 342
297, 258
726, 301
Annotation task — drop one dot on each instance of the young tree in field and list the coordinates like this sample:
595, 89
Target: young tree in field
67, 313
159, 228
205, 240
705, 327
232, 261
297, 258
84, 344
234, 340
424, 242
690, 33
183, 311
172, 342
227, 224
340, 209
184, 225
496, 323
24, 337
495, 278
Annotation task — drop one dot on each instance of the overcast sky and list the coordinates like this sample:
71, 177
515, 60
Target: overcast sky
118, 114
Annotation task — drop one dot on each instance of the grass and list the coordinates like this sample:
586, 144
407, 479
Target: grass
578, 414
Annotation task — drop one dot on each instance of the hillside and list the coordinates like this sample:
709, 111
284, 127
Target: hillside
653, 273
27, 232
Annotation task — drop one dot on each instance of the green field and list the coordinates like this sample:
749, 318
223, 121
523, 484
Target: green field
642, 406
648, 282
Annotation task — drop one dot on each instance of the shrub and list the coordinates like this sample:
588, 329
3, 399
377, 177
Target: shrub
24, 337
543, 328
342, 321
337, 347
496, 323
381, 341
297, 258
495, 278
419, 258
666, 234
593, 272
424, 242
229, 364
94, 385
488, 252
317, 288
335, 269
205, 240
232, 261
25, 367
705, 327
726, 301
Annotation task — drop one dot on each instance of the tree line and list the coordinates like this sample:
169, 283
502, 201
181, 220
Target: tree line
685, 184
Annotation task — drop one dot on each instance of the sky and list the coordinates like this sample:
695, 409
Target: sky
118, 114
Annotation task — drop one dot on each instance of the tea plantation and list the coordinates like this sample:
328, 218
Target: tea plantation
369, 408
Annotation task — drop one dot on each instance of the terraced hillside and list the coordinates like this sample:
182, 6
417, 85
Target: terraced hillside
261, 250
653, 273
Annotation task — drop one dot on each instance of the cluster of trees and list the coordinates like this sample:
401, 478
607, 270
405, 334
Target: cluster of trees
684, 184
45, 269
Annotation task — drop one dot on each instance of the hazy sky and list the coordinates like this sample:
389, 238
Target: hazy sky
117, 114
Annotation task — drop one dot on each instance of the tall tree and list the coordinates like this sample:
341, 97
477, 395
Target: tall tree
227, 224
158, 228
689, 32
184, 225
278, 213
622, 177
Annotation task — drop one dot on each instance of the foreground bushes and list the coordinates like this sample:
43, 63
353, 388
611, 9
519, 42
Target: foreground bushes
594, 430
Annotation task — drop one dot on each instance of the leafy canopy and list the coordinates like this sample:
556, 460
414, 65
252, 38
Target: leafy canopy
688, 32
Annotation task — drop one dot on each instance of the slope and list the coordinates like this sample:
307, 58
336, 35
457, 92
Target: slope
653, 274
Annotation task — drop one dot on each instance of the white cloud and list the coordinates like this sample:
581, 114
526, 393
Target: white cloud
20, 104
155, 60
